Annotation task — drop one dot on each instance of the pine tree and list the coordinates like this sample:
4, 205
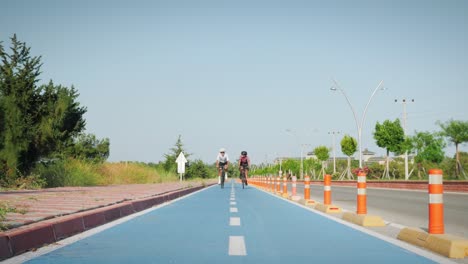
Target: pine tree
34, 120
170, 162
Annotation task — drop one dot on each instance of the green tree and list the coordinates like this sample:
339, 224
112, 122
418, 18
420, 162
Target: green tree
198, 169
291, 165
170, 162
310, 166
457, 132
348, 147
34, 119
428, 147
390, 136
88, 147
323, 154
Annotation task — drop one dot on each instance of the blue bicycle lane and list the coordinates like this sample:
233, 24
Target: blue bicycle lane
231, 225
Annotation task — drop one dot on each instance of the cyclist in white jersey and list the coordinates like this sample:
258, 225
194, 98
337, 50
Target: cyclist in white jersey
222, 160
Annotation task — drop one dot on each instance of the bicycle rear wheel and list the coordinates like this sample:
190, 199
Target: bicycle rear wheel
243, 179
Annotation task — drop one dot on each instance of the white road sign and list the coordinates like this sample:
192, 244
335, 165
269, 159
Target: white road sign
181, 160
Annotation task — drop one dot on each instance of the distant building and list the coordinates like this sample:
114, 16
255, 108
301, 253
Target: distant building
379, 160
310, 155
367, 154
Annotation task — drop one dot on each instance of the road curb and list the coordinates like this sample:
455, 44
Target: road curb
33, 236
444, 244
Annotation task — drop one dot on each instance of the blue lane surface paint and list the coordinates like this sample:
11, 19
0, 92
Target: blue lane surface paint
197, 230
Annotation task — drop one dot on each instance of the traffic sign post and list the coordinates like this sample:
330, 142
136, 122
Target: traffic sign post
181, 160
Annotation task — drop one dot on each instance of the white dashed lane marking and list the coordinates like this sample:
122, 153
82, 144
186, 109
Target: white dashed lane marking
236, 243
237, 246
234, 221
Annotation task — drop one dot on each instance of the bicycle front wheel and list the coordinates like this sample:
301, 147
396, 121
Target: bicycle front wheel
222, 179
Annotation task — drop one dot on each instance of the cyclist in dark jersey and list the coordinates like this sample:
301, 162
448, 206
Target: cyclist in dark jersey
244, 164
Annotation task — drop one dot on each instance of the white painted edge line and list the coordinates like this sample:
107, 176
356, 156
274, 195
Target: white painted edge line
29, 255
237, 246
396, 242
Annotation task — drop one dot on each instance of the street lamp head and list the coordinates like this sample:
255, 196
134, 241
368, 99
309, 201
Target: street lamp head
333, 88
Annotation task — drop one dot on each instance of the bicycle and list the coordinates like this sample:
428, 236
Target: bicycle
223, 175
243, 178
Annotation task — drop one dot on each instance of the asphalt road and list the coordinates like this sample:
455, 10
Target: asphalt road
403, 207
233, 225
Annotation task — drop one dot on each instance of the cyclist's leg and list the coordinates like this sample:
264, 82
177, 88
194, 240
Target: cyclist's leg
246, 175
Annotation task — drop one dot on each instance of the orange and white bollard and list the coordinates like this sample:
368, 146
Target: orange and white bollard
327, 207
294, 187
285, 186
361, 193
278, 184
327, 189
307, 188
436, 202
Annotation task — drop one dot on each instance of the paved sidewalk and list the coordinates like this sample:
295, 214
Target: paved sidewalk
56, 213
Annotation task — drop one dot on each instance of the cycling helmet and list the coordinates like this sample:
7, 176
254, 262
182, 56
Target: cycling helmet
244, 153
222, 150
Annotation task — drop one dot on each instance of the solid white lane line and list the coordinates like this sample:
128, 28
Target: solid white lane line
237, 246
234, 221
233, 210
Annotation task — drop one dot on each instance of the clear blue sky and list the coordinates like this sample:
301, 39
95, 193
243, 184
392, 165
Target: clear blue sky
238, 74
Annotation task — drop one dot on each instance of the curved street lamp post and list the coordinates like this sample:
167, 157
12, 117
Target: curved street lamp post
335, 87
333, 133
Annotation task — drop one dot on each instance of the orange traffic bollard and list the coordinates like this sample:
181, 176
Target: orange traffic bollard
361, 193
278, 184
307, 188
293, 188
327, 189
285, 185
436, 202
